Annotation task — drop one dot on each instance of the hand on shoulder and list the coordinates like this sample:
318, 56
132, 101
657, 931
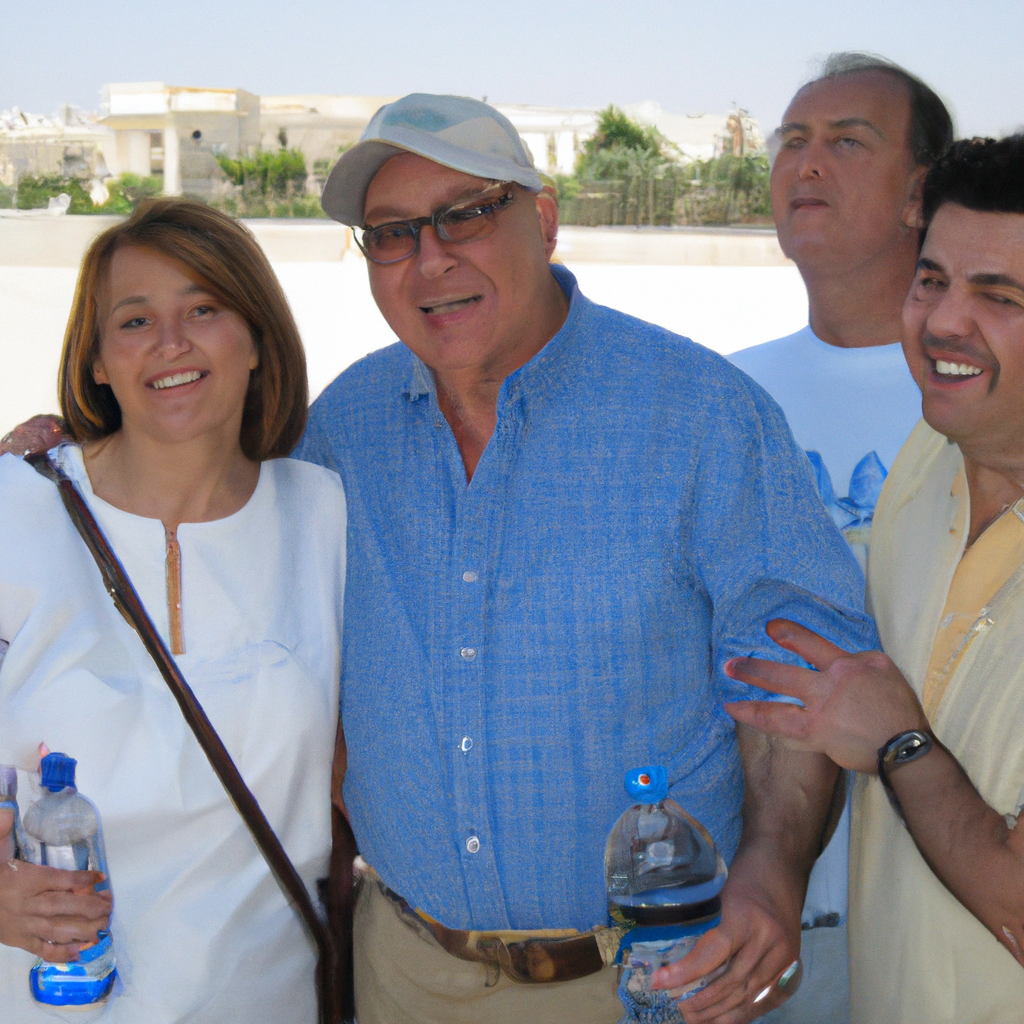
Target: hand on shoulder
39, 434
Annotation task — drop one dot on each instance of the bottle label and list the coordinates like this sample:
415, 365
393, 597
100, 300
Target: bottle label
656, 1006
87, 981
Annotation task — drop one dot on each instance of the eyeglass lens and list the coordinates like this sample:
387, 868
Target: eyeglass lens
469, 219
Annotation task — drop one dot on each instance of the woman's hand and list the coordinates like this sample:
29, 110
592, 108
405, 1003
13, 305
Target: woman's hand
51, 912
48, 911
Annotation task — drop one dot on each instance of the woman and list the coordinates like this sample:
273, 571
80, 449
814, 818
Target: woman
183, 380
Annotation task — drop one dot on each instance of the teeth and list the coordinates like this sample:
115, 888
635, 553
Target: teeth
956, 369
449, 307
176, 379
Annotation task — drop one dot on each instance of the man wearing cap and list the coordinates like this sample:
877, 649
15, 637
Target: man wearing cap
563, 521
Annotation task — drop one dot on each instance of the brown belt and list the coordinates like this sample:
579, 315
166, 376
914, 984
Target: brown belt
529, 959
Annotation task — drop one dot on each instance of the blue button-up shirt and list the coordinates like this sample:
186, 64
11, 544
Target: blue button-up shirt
514, 645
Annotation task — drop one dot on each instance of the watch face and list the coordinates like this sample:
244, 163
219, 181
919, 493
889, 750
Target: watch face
909, 746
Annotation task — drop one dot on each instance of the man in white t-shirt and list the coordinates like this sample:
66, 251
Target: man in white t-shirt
855, 145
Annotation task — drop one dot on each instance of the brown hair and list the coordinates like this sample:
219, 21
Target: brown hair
232, 265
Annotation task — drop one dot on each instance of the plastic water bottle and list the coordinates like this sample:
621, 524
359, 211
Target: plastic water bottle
62, 830
664, 877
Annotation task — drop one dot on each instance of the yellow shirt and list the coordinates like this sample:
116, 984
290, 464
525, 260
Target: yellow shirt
955, 623
982, 570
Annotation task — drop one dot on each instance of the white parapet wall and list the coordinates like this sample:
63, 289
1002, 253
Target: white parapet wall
725, 288
43, 241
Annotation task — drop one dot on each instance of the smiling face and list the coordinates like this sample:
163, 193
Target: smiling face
844, 184
964, 331
177, 359
481, 307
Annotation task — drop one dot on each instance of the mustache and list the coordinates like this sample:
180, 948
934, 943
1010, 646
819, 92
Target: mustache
958, 347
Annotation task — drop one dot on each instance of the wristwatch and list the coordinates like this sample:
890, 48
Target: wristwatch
901, 749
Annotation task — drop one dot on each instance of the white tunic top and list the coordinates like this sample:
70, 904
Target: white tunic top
202, 932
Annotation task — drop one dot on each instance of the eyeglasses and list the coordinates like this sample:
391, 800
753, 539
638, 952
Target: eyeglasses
466, 220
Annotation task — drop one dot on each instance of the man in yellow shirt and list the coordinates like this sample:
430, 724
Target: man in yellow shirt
935, 724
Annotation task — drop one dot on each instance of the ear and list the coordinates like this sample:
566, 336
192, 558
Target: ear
254, 359
547, 212
911, 215
99, 373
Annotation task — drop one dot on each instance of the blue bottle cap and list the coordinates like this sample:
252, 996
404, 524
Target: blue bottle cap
647, 785
58, 772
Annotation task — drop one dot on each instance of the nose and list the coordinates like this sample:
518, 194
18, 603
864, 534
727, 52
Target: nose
172, 339
950, 316
811, 160
435, 257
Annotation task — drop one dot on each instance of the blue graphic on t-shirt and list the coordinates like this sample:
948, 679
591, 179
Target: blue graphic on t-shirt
858, 508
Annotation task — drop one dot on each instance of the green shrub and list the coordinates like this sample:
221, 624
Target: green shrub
34, 193
267, 174
128, 191
125, 193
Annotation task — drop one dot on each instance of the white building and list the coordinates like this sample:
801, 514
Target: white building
318, 125
69, 144
178, 131
554, 135
702, 136
151, 128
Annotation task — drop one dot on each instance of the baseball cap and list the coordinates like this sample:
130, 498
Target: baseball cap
454, 131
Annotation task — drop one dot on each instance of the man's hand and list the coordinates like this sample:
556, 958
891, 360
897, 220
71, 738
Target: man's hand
39, 434
50, 912
759, 938
852, 706
785, 805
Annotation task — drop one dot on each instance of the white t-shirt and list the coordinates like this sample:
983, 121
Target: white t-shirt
843, 403
840, 402
201, 930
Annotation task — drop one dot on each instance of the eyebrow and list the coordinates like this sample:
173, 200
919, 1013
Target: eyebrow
844, 122
994, 280
982, 280
137, 300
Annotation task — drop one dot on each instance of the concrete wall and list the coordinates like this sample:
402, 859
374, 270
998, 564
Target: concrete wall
62, 241
657, 275
672, 247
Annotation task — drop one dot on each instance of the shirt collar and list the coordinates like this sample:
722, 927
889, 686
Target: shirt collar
420, 381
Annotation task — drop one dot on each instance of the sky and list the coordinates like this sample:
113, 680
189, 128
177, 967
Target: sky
689, 57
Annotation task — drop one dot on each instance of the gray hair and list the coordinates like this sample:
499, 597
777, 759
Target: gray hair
931, 126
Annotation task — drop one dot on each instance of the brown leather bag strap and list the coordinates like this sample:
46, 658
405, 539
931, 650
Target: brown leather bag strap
130, 606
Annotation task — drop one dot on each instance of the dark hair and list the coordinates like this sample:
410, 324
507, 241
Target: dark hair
980, 174
931, 126
233, 266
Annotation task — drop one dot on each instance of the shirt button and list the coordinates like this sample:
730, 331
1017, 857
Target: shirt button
466, 745
469, 576
473, 844
469, 653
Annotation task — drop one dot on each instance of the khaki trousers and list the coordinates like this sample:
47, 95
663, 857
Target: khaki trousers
404, 977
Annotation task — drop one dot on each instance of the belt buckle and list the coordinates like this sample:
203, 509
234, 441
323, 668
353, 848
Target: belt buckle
491, 950
522, 962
